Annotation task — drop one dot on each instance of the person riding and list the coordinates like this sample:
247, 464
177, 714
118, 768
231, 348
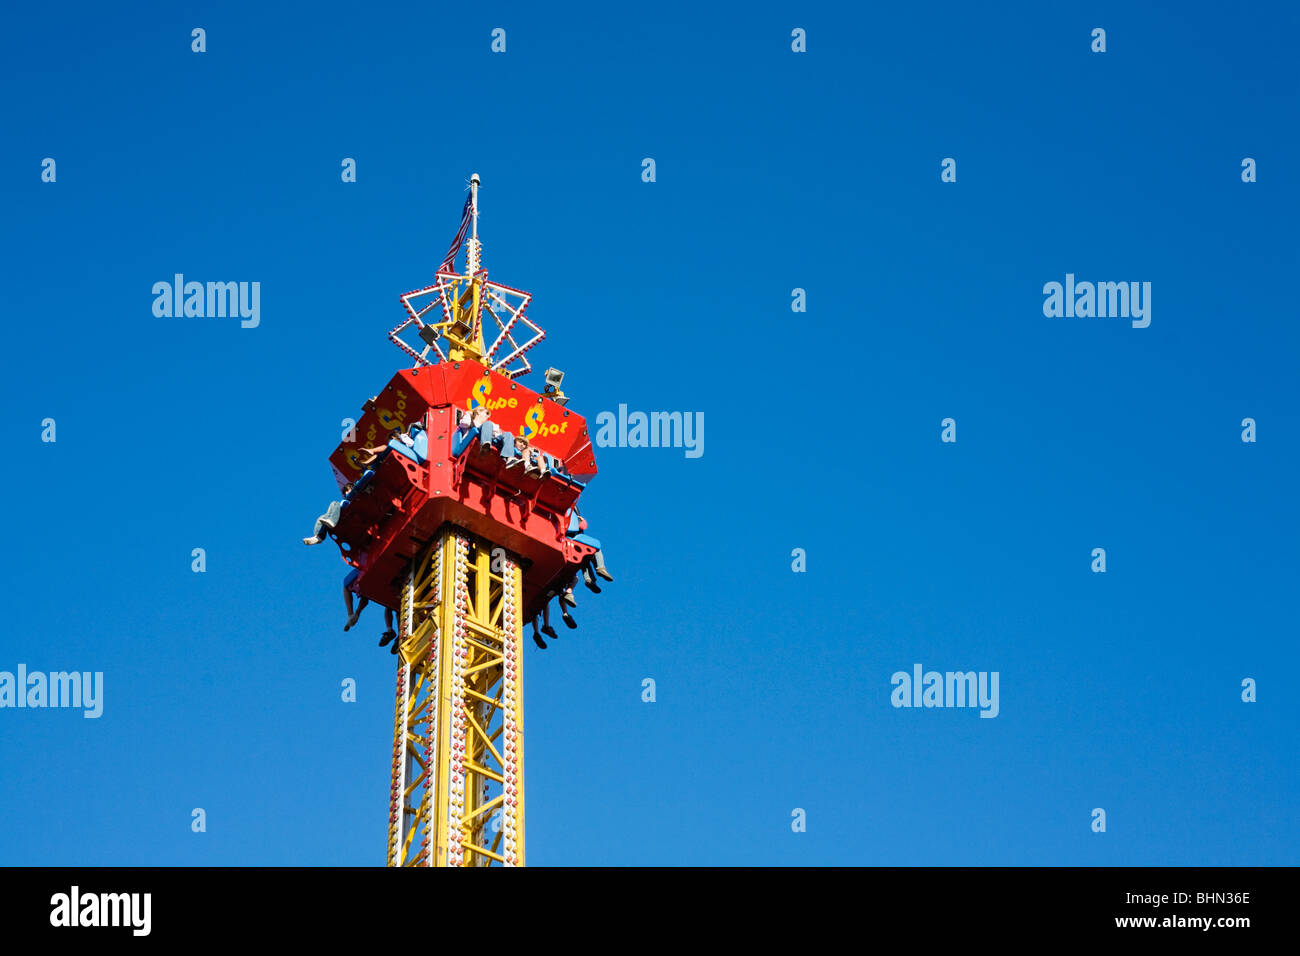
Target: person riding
330, 519
594, 562
349, 589
545, 615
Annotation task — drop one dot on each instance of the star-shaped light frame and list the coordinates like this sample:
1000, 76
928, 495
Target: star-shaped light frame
506, 307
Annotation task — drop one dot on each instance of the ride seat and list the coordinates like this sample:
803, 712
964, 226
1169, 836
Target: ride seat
417, 452
559, 475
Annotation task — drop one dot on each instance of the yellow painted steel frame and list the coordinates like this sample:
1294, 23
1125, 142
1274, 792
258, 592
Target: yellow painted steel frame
457, 792
465, 329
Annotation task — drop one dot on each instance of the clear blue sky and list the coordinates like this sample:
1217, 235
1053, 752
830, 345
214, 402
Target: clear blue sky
775, 170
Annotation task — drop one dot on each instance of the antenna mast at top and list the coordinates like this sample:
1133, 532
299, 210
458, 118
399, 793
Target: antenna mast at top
475, 251
450, 316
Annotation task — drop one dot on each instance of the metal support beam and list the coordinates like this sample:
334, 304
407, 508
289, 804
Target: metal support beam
457, 791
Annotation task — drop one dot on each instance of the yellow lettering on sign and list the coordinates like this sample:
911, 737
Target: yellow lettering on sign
544, 429
531, 427
479, 394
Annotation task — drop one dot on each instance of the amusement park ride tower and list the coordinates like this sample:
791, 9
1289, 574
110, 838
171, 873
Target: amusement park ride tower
465, 550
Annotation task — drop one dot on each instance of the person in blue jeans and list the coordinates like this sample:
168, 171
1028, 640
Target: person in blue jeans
327, 522
478, 423
593, 564
490, 436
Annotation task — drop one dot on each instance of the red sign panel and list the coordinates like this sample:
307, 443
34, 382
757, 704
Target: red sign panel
465, 385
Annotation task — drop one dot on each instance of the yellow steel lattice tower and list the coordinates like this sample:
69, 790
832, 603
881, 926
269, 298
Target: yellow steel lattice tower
457, 793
